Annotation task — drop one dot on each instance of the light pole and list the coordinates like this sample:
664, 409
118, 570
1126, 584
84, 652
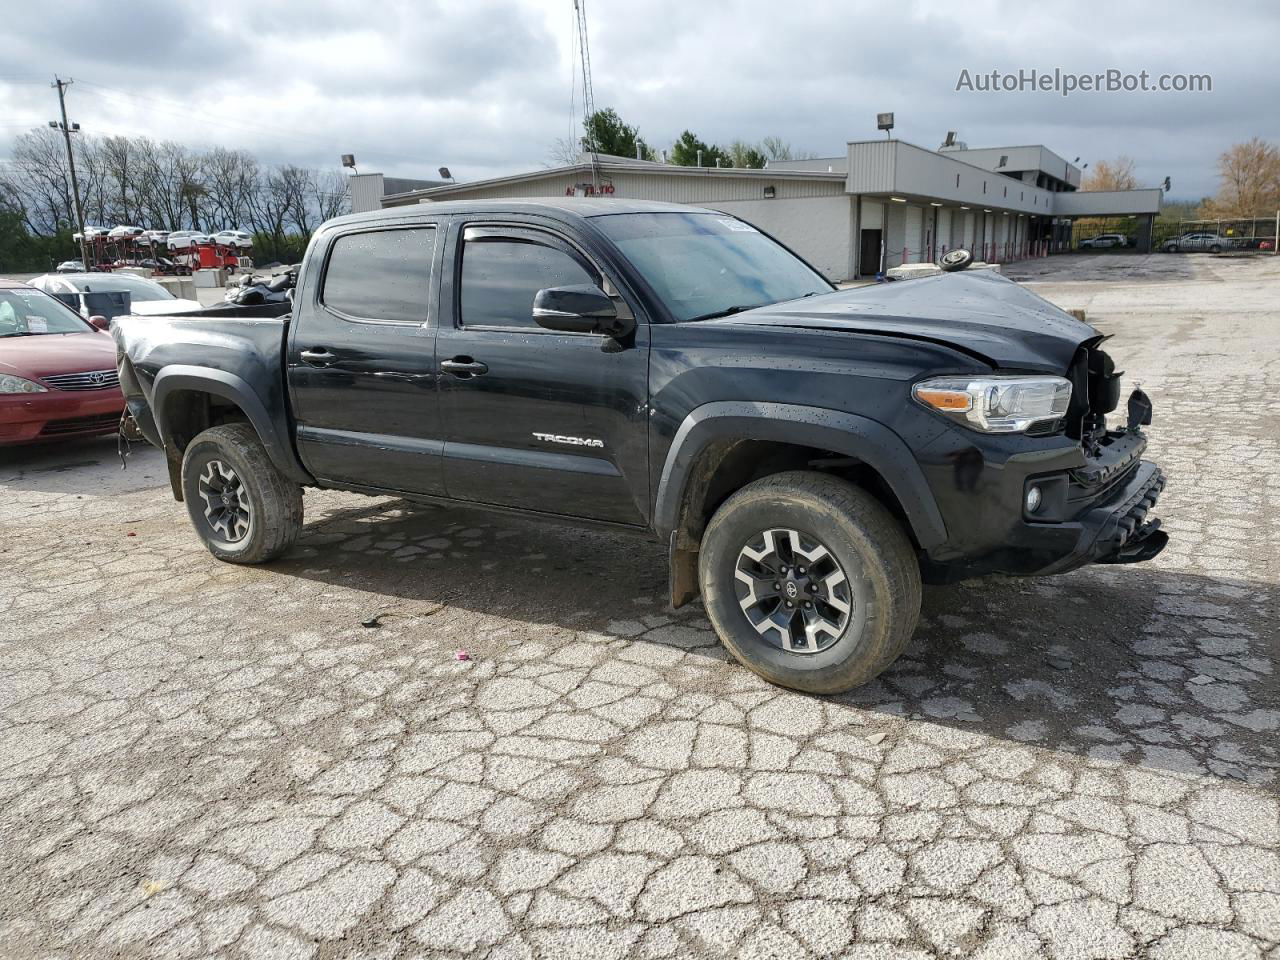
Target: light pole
67, 129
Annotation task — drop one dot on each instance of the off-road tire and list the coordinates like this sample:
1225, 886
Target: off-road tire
865, 539
275, 502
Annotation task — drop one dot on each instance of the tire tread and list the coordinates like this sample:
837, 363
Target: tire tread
885, 540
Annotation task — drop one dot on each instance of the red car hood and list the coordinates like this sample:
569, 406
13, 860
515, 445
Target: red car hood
47, 354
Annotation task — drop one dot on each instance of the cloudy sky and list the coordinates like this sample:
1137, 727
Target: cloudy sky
484, 86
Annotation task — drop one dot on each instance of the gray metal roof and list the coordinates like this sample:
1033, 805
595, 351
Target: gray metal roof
625, 166
572, 206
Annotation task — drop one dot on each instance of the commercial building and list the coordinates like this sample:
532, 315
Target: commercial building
883, 203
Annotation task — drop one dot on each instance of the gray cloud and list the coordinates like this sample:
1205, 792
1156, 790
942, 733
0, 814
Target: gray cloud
483, 85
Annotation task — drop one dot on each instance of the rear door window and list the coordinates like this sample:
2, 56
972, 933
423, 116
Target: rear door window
380, 275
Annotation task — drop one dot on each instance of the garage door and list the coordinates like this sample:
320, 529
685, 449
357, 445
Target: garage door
944, 232
968, 239
915, 217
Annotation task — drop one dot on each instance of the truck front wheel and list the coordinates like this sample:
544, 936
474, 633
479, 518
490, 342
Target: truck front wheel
243, 508
809, 581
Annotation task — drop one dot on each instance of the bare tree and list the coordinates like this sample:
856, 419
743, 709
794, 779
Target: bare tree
143, 182
1249, 181
271, 204
563, 152
40, 178
1116, 174
775, 148
230, 178
330, 194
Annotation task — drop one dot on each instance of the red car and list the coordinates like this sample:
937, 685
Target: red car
57, 371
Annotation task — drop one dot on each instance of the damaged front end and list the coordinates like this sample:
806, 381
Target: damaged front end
1112, 494
1069, 493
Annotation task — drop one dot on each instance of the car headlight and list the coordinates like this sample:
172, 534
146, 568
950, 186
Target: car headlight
996, 404
10, 384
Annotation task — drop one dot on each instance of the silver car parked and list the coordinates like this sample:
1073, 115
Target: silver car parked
1210, 242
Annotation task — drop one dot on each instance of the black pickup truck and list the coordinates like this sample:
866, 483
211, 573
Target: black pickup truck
808, 455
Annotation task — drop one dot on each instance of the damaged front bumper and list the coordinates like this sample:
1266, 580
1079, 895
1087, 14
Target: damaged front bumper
1095, 512
1118, 530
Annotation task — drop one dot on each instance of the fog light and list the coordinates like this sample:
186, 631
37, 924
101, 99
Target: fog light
1033, 499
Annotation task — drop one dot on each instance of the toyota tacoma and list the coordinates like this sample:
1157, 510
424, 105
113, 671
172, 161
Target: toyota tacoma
807, 455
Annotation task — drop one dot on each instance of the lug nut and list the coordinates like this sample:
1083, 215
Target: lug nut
800, 570
807, 605
813, 588
777, 586
790, 604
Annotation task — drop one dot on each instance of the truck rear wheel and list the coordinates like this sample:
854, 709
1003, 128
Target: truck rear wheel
242, 507
809, 581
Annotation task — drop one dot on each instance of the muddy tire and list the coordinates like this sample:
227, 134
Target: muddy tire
242, 507
809, 581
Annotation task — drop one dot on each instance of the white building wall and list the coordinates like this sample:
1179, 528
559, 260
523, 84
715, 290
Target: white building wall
366, 192
820, 229
943, 238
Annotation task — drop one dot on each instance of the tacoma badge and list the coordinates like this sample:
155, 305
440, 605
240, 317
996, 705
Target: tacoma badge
570, 441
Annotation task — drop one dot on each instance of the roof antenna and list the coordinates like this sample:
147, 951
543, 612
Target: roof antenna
588, 96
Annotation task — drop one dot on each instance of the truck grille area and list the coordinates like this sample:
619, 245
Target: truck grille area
1095, 392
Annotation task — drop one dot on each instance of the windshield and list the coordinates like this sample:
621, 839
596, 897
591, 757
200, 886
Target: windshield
703, 265
138, 288
26, 313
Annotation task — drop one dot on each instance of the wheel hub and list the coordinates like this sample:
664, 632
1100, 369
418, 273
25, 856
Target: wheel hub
793, 590
226, 504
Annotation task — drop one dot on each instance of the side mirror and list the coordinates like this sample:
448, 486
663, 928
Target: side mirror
582, 308
101, 322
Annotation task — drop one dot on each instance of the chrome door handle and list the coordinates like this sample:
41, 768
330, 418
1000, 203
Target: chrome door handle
318, 357
464, 367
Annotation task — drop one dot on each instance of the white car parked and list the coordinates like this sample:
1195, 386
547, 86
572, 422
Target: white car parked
90, 233
1104, 241
233, 238
183, 239
123, 232
155, 236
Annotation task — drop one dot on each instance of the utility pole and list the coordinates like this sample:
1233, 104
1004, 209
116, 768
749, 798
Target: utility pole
67, 129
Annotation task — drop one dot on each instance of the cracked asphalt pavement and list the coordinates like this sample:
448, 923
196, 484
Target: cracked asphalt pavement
198, 759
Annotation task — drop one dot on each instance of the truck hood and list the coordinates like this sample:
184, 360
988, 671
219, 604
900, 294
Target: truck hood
979, 312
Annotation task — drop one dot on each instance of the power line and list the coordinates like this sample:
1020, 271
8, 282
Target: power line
67, 129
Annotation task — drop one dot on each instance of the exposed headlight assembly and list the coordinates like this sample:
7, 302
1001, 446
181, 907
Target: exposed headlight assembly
996, 404
9, 384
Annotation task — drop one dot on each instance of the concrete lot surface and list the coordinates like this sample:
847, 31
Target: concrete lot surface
201, 760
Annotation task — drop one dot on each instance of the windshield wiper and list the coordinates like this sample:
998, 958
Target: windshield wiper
727, 311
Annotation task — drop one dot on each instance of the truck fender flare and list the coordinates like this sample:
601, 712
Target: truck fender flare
228, 386
844, 433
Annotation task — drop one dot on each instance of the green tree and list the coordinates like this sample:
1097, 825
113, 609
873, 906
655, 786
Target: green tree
607, 132
684, 152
